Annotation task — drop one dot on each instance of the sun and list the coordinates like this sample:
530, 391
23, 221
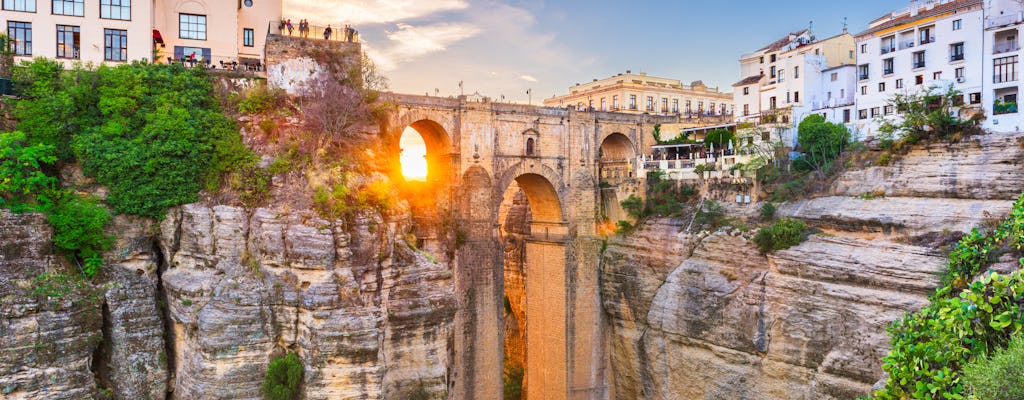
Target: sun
414, 155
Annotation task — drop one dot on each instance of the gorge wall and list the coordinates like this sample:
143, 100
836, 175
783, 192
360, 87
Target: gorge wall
705, 316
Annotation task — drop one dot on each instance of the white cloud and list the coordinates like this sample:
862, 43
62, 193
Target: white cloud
528, 78
367, 12
410, 42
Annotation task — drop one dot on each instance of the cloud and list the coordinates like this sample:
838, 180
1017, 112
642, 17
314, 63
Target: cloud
410, 42
528, 78
367, 12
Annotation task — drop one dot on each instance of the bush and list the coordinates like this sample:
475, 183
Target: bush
78, 229
634, 206
513, 382
768, 211
21, 169
261, 99
283, 377
821, 142
783, 234
623, 227
711, 215
1000, 377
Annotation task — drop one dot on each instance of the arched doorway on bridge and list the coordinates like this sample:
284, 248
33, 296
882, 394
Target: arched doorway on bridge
421, 154
532, 232
616, 170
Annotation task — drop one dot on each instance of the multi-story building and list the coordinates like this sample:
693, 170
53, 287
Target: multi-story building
793, 77
933, 44
1003, 22
101, 31
639, 93
79, 30
215, 30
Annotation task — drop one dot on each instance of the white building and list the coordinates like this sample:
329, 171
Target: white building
1003, 22
836, 100
791, 78
931, 44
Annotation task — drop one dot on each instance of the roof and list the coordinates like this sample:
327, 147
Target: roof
939, 9
750, 80
778, 44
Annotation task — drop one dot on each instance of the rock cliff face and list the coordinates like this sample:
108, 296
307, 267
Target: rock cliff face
710, 318
369, 317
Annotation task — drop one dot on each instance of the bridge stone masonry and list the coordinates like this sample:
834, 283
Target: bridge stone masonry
476, 150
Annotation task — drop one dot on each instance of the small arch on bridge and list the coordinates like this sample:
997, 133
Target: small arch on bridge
436, 147
543, 198
617, 147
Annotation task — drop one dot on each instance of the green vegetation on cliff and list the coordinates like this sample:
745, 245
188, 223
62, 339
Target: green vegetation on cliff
968, 319
283, 377
153, 134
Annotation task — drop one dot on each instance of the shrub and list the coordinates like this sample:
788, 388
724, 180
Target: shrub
623, 227
513, 382
768, 211
261, 99
783, 234
884, 159
821, 142
283, 377
1000, 377
634, 206
78, 229
710, 214
21, 168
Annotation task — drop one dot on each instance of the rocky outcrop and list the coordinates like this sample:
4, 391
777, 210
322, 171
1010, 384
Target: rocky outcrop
49, 327
808, 322
369, 317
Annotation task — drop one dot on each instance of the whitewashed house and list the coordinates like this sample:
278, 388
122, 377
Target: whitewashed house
1003, 22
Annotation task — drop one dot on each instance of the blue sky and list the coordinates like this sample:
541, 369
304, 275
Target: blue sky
506, 47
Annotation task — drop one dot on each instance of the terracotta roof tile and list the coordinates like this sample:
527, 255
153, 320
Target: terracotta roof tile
937, 10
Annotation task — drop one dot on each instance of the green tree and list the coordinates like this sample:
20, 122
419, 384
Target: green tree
783, 234
928, 114
283, 377
999, 377
821, 142
21, 169
720, 138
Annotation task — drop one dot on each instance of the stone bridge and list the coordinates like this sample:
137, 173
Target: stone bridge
559, 158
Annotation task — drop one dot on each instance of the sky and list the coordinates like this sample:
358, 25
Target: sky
507, 47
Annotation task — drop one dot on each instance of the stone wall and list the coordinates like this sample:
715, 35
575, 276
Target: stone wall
292, 61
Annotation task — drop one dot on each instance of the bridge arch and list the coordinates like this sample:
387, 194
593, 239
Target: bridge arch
437, 143
617, 147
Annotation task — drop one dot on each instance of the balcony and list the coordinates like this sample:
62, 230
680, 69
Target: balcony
1003, 20
907, 44
1000, 108
887, 71
1003, 78
926, 40
918, 64
956, 57
1005, 47
887, 50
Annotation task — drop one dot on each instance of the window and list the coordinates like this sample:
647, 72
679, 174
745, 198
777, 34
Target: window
842, 93
888, 44
530, 145
20, 5
248, 39
846, 116
21, 34
887, 110
796, 97
851, 54
675, 105
604, 104
926, 35
937, 75
688, 106
881, 87
975, 98
862, 114
864, 90
664, 105
772, 103
796, 72
835, 76
959, 73
919, 80
115, 45
746, 109
191, 26
956, 51
69, 7
782, 75
899, 83
863, 71
746, 91
773, 71
864, 49
918, 59
887, 66
789, 98
632, 102
1005, 69
116, 9
590, 105
700, 107
68, 41
711, 108
874, 112
615, 102
773, 57
650, 103
762, 60
958, 24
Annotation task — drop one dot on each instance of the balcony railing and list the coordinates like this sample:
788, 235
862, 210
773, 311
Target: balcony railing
887, 50
1003, 78
1005, 47
887, 72
918, 64
863, 77
1003, 20
331, 32
907, 44
956, 57
927, 40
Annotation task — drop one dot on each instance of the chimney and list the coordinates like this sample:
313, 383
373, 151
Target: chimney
629, 72
913, 8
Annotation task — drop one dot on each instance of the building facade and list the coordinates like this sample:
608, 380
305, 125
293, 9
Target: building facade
215, 30
1004, 20
93, 31
643, 94
792, 78
929, 45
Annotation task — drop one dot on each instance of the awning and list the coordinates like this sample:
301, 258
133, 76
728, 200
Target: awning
157, 38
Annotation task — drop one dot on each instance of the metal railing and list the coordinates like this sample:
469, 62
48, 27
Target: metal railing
927, 40
956, 57
907, 44
887, 50
344, 33
1003, 20
918, 64
1005, 47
